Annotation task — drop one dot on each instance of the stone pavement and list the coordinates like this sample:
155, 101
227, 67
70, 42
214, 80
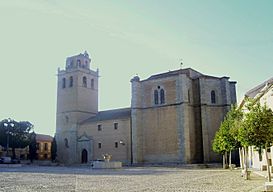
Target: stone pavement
78, 179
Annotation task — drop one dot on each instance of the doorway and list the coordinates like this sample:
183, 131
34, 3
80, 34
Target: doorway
84, 156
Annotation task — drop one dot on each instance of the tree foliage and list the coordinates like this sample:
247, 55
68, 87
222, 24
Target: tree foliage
17, 133
32, 147
225, 140
257, 129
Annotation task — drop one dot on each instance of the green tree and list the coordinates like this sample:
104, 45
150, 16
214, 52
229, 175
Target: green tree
15, 134
258, 128
53, 150
32, 147
224, 140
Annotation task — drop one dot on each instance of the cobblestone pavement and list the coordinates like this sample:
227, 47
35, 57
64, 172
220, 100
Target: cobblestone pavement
77, 179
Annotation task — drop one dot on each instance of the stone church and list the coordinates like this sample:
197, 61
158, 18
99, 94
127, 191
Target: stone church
172, 118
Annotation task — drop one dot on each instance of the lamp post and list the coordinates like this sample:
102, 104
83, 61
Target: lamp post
7, 125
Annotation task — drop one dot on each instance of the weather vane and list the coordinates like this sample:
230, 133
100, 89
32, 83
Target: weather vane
181, 63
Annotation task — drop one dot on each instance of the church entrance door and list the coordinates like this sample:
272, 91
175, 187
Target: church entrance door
84, 156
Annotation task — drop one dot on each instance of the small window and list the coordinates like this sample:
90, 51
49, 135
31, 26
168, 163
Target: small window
155, 97
99, 128
71, 81
99, 145
115, 125
162, 96
46, 147
63, 83
213, 97
92, 83
84, 81
116, 144
66, 143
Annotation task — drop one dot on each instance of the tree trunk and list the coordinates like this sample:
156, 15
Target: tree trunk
241, 156
230, 160
13, 153
267, 164
246, 174
224, 161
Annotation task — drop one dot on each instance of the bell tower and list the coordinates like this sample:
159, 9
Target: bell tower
77, 100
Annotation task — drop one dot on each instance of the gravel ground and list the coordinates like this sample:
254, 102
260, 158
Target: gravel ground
77, 179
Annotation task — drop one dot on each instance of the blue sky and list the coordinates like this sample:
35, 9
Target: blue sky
223, 38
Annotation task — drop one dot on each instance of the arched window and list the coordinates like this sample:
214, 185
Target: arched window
92, 83
71, 81
78, 62
84, 81
66, 142
63, 83
162, 96
212, 96
156, 97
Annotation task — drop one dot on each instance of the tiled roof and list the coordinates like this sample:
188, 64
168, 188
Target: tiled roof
253, 92
109, 114
41, 137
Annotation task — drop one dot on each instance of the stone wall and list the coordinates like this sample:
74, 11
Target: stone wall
108, 136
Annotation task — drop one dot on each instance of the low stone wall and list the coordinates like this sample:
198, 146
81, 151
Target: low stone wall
10, 165
106, 165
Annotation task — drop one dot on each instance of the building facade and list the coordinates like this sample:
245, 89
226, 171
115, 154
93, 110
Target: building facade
173, 117
44, 143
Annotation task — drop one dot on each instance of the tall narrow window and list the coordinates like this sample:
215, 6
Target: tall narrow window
99, 128
116, 144
115, 125
71, 81
156, 97
84, 81
99, 145
213, 97
162, 96
92, 83
46, 147
63, 83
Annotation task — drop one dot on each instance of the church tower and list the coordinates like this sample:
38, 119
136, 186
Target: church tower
77, 100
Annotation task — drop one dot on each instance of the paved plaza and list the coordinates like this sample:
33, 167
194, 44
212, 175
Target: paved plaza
77, 179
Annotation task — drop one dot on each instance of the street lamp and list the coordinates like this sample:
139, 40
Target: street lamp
7, 125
